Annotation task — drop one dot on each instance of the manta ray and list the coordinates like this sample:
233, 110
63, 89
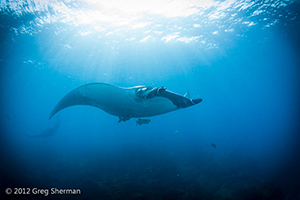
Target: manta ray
126, 103
47, 132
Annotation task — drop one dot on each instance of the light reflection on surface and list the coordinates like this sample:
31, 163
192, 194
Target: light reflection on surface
149, 21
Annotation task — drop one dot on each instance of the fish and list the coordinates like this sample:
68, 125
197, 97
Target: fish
142, 121
125, 102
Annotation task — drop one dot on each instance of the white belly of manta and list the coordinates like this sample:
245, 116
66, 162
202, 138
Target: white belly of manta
126, 103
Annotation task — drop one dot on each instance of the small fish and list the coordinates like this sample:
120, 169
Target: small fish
142, 121
213, 145
176, 132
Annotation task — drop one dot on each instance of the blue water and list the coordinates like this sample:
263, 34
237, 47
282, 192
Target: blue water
241, 57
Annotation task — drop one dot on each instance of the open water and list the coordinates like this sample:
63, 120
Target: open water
242, 57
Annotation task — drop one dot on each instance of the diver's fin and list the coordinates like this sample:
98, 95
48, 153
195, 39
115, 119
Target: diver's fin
187, 94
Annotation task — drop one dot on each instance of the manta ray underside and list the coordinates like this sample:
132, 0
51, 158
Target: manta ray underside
126, 103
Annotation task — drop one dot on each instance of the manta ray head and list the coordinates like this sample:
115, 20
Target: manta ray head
148, 92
